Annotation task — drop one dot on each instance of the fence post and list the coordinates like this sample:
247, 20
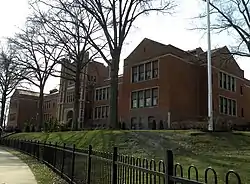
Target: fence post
55, 153
38, 150
44, 154
89, 164
64, 146
169, 167
114, 166
34, 149
73, 164
49, 159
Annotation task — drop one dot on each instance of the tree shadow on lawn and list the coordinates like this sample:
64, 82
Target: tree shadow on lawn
153, 145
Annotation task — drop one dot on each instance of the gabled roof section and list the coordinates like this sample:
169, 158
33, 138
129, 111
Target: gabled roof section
145, 45
148, 49
223, 59
196, 52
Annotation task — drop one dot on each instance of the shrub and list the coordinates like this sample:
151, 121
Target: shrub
63, 127
51, 126
32, 128
27, 128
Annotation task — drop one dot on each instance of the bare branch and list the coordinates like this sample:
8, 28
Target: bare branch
232, 16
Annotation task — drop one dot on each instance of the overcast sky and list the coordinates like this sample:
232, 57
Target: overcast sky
165, 29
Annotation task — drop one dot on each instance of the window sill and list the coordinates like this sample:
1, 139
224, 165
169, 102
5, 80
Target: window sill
136, 82
144, 107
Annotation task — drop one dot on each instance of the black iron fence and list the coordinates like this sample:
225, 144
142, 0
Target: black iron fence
80, 166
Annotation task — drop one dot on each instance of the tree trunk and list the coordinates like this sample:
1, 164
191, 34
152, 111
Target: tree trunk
3, 104
76, 97
40, 109
114, 92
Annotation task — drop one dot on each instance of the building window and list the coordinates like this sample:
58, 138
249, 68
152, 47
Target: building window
145, 71
141, 72
227, 106
102, 94
134, 74
97, 94
141, 98
220, 78
155, 69
234, 107
148, 71
155, 97
134, 99
107, 111
144, 98
148, 98
224, 81
242, 112
227, 82
233, 84
69, 98
108, 91
101, 112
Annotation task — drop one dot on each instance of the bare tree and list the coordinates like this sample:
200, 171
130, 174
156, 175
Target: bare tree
38, 55
233, 17
10, 76
70, 34
116, 19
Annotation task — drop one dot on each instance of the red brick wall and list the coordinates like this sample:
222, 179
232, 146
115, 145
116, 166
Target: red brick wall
178, 90
27, 112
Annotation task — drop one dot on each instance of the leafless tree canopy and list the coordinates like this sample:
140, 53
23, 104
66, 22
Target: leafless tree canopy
10, 76
116, 18
232, 16
70, 27
79, 25
38, 54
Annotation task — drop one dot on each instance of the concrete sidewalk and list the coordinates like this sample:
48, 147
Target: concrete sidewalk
13, 170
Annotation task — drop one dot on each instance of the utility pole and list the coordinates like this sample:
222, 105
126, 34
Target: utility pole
209, 71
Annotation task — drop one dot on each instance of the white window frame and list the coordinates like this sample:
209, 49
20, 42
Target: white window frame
101, 107
223, 101
144, 89
144, 63
232, 81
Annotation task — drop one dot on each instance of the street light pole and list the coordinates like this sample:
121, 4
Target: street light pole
209, 71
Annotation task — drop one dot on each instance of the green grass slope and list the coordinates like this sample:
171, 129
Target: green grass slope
222, 151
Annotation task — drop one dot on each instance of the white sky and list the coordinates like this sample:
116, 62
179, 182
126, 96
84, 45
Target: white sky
165, 29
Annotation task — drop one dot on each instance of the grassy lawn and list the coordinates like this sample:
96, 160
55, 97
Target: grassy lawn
42, 173
222, 151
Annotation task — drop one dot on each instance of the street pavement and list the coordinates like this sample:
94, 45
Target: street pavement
13, 170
